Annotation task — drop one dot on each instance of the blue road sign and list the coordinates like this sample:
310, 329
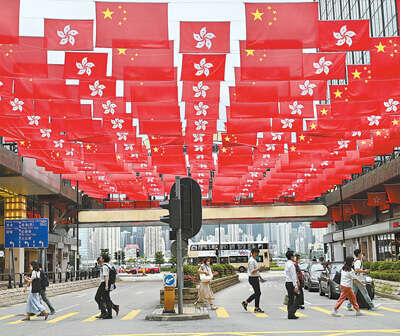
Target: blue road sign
25, 233
169, 280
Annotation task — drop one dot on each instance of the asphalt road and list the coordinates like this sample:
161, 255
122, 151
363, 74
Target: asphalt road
75, 313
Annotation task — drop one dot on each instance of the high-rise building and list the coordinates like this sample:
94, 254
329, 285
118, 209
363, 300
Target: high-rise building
106, 238
125, 238
153, 241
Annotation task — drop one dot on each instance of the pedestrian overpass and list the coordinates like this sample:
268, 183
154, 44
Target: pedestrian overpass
211, 215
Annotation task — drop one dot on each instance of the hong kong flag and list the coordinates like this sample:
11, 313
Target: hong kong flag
85, 65
201, 91
344, 35
205, 37
69, 34
202, 110
203, 67
97, 89
324, 66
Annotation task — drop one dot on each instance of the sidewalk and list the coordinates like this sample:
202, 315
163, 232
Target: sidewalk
190, 313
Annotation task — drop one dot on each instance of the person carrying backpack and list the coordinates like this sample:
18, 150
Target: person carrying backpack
44, 282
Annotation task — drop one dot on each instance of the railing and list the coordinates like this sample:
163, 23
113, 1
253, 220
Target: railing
8, 281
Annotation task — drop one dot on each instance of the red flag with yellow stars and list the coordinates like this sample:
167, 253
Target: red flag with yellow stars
385, 57
131, 25
281, 25
239, 139
359, 73
323, 111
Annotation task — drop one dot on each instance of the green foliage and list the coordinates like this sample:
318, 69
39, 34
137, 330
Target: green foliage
278, 268
390, 276
396, 265
367, 264
273, 264
159, 256
172, 260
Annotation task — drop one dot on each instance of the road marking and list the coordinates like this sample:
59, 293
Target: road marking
92, 318
6, 317
131, 315
63, 317
297, 313
308, 302
257, 314
66, 308
325, 311
222, 313
390, 309
20, 321
367, 312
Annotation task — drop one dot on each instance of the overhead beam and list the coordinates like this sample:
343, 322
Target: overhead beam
241, 213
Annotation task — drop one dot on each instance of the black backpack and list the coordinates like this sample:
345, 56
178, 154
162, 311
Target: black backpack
112, 275
44, 281
337, 277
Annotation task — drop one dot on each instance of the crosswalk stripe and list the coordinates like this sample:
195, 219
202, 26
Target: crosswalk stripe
63, 317
222, 313
131, 315
92, 318
367, 312
6, 317
325, 311
20, 321
297, 313
257, 314
390, 309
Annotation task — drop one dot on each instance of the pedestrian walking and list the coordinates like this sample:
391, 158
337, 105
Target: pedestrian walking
205, 291
300, 283
358, 285
348, 276
33, 304
254, 280
44, 282
291, 285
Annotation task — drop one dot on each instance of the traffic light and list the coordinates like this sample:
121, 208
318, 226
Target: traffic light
116, 256
137, 253
217, 251
173, 207
123, 257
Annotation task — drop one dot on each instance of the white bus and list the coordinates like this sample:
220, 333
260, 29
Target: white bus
234, 253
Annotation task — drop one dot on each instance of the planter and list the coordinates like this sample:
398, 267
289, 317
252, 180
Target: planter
190, 294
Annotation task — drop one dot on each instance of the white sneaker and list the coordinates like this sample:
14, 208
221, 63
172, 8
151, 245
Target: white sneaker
350, 308
376, 307
359, 313
334, 313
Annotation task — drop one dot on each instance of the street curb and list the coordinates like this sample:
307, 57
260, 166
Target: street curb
388, 296
177, 317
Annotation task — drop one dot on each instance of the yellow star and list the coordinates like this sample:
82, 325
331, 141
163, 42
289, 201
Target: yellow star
338, 94
395, 122
88, 147
381, 47
324, 111
122, 51
356, 74
57, 154
257, 15
224, 150
108, 14
302, 137
313, 126
118, 157
378, 133
227, 138
22, 143
250, 52
293, 148
88, 177
363, 142
155, 149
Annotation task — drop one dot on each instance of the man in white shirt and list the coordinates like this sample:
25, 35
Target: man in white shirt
357, 285
291, 285
254, 280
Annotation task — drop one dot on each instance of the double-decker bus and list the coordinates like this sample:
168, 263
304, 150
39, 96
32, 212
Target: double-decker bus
234, 253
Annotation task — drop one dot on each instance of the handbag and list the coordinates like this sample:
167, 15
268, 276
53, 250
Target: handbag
36, 285
286, 300
205, 277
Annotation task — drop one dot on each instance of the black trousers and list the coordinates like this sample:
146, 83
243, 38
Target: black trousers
103, 300
300, 297
255, 283
292, 304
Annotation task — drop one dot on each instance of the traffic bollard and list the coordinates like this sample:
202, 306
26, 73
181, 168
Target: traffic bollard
169, 300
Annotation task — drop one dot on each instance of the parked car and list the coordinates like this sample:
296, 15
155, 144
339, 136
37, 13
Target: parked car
152, 269
303, 267
311, 276
148, 269
332, 289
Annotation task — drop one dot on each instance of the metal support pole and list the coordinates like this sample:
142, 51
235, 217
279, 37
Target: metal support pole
77, 226
219, 243
342, 214
179, 259
9, 269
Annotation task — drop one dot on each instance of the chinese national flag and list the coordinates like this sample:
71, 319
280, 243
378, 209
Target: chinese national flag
344, 35
240, 139
254, 110
393, 192
69, 34
205, 37
40, 88
156, 111
376, 198
131, 25
203, 67
9, 24
166, 92
324, 66
161, 127
85, 65
281, 25
359, 73
261, 91
360, 206
385, 57
323, 111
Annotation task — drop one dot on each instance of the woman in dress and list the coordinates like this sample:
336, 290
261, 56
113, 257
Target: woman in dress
33, 305
206, 275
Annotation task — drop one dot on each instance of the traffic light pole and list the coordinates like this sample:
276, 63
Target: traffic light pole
179, 259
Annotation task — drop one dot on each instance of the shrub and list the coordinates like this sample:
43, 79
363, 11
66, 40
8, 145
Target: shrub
220, 269
376, 265
386, 265
390, 276
367, 264
396, 265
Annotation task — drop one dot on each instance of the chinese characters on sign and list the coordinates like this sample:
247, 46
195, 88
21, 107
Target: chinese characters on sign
26, 233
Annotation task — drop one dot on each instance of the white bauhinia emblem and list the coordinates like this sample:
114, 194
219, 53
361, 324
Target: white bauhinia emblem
203, 67
109, 107
67, 36
270, 148
276, 136
325, 163
101, 178
200, 157
198, 137
343, 143
34, 120
58, 143
266, 156
117, 123
97, 89
201, 124
287, 123
201, 109
17, 105
374, 120
203, 166
134, 156
307, 88
322, 66
122, 136
200, 90
45, 132
312, 168
356, 133
85, 67
253, 174
129, 147
391, 105
307, 175
1, 83
70, 152
344, 36
198, 148
203, 39
296, 108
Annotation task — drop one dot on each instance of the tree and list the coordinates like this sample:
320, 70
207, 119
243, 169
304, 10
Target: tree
172, 260
159, 258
